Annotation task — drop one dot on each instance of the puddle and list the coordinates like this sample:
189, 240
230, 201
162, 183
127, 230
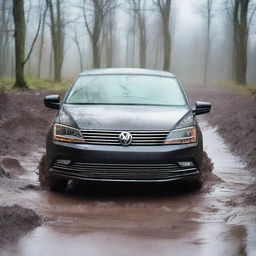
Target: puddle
147, 222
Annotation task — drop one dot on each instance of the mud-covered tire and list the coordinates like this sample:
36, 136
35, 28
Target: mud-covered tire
47, 181
57, 185
196, 181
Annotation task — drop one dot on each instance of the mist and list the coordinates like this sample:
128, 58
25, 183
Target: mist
119, 42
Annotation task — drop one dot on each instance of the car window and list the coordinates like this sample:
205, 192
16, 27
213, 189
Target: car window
126, 89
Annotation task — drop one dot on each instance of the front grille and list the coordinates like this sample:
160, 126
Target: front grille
123, 171
139, 138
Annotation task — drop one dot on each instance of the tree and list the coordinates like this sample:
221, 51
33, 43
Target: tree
206, 10
76, 40
20, 28
42, 42
109, 38
164, 8
5, 34
131, 41
238, 11
240, 37
19, 25
94, 13
57, 26
138, 9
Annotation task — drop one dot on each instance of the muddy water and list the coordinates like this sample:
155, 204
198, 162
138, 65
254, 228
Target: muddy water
144, 220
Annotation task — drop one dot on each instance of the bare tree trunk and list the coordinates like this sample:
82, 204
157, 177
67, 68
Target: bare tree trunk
2, 35
109, 40
240, 40
79, 51
5, 57
19, 23
164, 7
95, 52
206, 57
57, 34
41, 44
51, 61
5, 50
134, 41
167, 35
208, 40
137, 9
142, 40
100, 9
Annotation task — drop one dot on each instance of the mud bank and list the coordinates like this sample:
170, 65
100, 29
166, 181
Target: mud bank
235, 117
16, 221
23, 122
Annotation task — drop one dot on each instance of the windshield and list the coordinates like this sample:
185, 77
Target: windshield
126, 90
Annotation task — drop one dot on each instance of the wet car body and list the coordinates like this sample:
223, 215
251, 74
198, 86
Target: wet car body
123, 142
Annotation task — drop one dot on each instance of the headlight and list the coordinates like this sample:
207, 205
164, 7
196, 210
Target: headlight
182, 136
66, 134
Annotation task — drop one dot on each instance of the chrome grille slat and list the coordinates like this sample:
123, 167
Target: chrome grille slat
124, 171
101, 136
119, 131
125, 166
103, 140
102, 143
92, 165
124, 178
111, 137
117, 170
120, 172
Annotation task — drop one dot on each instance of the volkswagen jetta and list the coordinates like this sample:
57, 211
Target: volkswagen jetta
123, 125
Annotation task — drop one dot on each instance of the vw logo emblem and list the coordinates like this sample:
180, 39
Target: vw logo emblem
125, 138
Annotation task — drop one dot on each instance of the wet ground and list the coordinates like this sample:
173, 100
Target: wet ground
144, 220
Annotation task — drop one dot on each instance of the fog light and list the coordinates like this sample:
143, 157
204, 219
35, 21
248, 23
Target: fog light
62, 161
186, 164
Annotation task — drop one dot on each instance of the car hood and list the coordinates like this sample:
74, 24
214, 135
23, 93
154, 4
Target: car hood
121, 117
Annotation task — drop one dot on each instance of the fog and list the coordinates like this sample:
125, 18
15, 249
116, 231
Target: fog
188, 28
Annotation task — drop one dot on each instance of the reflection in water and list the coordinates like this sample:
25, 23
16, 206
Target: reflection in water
214, 239
165, 220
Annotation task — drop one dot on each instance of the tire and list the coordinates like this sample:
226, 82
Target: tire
57, 185
196, 181
47, 181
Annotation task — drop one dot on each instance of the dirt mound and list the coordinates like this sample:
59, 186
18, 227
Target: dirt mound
235, 117
10, 167
15, 221
24, 121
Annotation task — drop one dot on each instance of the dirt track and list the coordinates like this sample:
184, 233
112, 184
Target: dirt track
123, 220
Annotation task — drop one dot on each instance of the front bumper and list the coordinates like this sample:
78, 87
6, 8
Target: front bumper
128, 164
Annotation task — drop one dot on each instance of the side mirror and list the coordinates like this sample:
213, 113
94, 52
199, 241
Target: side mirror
202, 108
52, 101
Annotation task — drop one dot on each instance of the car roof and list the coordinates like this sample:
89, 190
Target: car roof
126, 71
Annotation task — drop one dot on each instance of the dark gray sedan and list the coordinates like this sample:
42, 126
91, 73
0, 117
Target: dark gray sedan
123, 125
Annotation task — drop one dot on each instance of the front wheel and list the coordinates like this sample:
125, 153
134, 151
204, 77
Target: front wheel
197, 181
57, 185
47, 181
